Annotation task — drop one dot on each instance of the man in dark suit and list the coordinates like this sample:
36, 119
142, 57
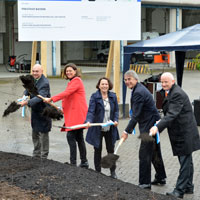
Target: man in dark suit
183, 133
145, 113
40, 125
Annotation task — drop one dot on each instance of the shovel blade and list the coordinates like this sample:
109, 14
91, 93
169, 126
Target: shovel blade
109, 160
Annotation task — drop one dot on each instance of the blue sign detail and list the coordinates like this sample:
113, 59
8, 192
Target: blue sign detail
130, 112
157, 136
134, 132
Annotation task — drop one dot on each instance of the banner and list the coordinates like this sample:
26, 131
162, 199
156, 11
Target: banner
73, 20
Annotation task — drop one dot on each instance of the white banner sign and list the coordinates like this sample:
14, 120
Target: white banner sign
61, 20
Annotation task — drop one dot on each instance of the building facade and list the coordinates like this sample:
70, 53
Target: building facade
159, 16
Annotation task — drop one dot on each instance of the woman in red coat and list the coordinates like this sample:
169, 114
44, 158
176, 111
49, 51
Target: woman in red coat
75, 110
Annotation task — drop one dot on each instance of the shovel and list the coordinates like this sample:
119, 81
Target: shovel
51, 104
51, 111
109, 160
108, 123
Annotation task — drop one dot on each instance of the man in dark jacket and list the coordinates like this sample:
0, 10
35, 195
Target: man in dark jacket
183, 133
40, 125
145, 113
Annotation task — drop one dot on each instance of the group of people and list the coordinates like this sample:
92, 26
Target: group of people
103, 106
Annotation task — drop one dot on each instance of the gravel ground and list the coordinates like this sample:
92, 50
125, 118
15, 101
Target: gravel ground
24, 177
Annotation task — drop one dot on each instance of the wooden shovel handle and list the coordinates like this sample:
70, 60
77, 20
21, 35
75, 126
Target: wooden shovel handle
119, 144
51, 104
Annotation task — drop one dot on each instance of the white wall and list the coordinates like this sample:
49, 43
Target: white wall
72, 51
23, 48
158, 20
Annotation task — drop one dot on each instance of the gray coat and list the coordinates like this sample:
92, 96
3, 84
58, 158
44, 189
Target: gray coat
38, 122
180, 122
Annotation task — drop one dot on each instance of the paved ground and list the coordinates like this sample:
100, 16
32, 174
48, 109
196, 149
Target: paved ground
15, 131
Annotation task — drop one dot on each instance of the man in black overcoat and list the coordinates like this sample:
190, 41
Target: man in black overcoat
40, 125
145, 113
183, 133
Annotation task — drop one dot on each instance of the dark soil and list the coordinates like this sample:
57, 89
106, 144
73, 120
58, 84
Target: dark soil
24, 177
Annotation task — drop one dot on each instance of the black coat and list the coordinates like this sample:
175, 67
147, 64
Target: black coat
38, 122
180, 121
143, 108
96, 115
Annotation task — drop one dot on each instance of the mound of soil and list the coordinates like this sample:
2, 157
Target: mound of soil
24, 177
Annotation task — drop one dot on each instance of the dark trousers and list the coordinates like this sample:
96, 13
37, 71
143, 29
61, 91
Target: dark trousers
186, 171
150, 152
97, 151
73, 137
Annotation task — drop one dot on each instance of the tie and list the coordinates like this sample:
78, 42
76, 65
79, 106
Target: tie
166, 93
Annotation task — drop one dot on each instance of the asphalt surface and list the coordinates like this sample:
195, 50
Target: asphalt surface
15, 131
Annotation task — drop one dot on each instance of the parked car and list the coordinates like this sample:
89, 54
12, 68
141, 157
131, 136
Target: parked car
103, 51
143, 56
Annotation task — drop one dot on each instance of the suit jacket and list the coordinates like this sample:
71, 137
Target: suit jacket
73, 103
38, 122
143, 108
180, 122
96, 115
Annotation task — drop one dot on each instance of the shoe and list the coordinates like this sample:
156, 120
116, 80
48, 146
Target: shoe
158, 182
113, 175
175, 194
189, 191
84, 165
36, 156
145, 186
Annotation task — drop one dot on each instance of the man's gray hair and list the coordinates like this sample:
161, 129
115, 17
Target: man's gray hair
132, 73
169, 75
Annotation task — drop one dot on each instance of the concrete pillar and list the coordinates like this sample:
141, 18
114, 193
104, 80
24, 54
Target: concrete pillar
50, 59
2, 29
179, 19
175, 22
7, 40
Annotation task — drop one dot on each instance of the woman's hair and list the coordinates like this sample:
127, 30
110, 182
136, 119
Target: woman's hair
74, 67
109, 83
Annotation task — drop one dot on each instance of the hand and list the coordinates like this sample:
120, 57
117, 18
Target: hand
153, 130
157, 121
124, 135
22, 103
47, 100
115, 123
87, 125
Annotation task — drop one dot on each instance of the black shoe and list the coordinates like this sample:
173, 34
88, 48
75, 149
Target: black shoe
145, 186
113, 175
158, 182
84, 165
175, 194
189, 191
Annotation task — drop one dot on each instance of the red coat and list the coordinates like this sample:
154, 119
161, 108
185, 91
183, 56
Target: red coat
73, 103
